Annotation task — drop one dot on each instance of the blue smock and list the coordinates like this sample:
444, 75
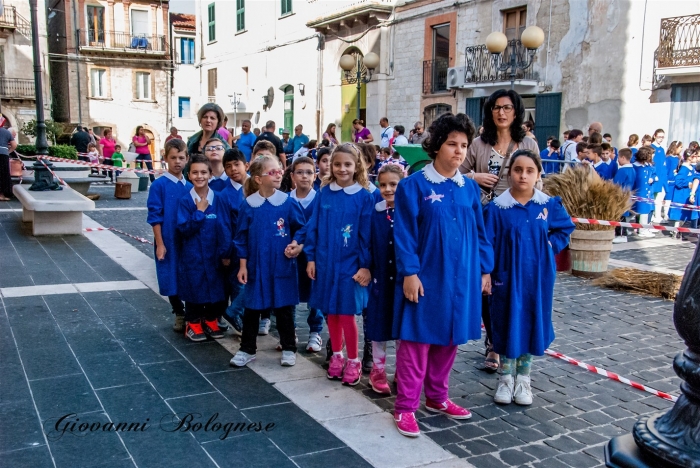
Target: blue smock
525, 240
659, 162
681, 194
439, 236
218, 184
266, 226
380, 306
163, 199
338, 238
671, 168
645, 176
603, 170
307, 205
625, 178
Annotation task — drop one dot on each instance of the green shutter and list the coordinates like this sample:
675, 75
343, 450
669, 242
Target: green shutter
286, 7
212, 22
547, 117
240, 15
474, 109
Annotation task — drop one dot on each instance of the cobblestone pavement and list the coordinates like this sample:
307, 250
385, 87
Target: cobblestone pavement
575, 412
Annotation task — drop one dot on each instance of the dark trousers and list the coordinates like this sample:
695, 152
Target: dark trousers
110, 174
208, 311
486, 318
177, 305
5, 179
146, 158
622, 231
285, 327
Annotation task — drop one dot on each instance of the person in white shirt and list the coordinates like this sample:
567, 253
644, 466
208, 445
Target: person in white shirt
568, 149
399, 137
386, 133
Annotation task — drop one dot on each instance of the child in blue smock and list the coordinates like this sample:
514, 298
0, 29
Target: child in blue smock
163, 199
443, 259
645, 177
204, 228
267, 244
235, 167
527, 229
380, 307
214, 151
673, 162
625, 178
337, 250
659, 163
303, 175
323, 166
683, 192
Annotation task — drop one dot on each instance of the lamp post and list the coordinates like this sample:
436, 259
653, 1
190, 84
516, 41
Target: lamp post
497, 42
235, 101
348, 62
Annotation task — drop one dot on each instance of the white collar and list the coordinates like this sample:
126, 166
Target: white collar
235, 184
598, 163
306, 201
351, 190
627, 165
688, 165
435, 177
637, 164
169, 176
506, 200
372, 188
223, 176
654, 144
381, 206
276, 199
608, 162
195, 197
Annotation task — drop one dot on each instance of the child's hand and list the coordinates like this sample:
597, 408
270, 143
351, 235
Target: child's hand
413, 288
362, 276
160, 252
243, 275
311, 270
202, 204
226, 261
486, 284
293, 250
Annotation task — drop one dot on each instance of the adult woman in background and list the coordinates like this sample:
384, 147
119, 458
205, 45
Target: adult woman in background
141, 142
487, 163
329, 135
211, 118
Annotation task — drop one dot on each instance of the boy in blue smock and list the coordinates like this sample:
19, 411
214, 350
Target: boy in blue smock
659, 163
609, 157
205, 232
235, 167
594, 153
551, 153
214, 151
684, 192
625, 178
163, 199
645, 178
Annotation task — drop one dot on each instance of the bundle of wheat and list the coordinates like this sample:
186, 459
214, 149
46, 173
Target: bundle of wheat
585, 195
644, 282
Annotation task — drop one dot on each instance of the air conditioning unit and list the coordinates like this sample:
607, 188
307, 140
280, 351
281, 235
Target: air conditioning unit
455, 77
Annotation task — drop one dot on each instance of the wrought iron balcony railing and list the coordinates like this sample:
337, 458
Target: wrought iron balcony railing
16, 88
9, 18
120, 41
435, 76
679, 43
481, 66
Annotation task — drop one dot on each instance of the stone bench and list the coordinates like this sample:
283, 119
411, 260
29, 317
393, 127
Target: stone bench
80, 185
54, 212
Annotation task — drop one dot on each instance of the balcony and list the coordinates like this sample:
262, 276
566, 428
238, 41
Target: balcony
120, 42
16, 88
11, 21
679, 47
435, 76
346, 15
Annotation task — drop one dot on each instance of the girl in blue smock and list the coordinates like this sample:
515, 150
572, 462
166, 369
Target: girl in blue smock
527, 229
683, 189
659, 163
380, 307
443, 260
205, 231
673, 162
163, 199
645, 177
337, 249
269, 222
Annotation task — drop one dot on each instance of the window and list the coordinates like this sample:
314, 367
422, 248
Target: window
514, 22
96, 24
434, 111
240, 15
183, 107
286, 7
212, 22
143, 85
441, 60
98, 82
139, 23
187, 51
211, 82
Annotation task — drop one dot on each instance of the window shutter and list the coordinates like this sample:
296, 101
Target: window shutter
547, 117
474, 109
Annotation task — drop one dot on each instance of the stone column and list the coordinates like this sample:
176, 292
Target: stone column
110, 13
154, 20
166, 28
127, 22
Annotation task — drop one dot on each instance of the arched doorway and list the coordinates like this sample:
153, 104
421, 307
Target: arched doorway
348, 92
288, 108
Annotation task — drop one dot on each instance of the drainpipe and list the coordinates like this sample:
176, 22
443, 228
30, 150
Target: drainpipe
77, 61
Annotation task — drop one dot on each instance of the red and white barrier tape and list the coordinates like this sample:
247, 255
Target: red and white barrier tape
634, 225
140, 239
611, 375
683, 206
98, 166
61, 181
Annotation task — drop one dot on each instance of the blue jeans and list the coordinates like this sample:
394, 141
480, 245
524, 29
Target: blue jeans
236, 308
315, 321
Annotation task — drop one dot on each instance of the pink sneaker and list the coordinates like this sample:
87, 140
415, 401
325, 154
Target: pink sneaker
406, 424
335, 367
449, 409
352, 373
377, 379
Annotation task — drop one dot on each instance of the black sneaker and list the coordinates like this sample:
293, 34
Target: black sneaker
329, 350
223, 324
212, 329
236, 322
193, 331
367, 362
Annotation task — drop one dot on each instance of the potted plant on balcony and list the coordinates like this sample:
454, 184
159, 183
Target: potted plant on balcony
585, 195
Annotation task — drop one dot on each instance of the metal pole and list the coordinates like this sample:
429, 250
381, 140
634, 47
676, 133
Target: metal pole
77, 61
513, 67
42, 146
359, 86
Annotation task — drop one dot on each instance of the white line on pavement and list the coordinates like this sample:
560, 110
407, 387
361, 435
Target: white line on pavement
71, 288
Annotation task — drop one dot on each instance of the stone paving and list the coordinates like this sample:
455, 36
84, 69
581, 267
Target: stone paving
574, 414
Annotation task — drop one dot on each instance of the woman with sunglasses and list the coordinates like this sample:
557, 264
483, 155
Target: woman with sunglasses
487, 164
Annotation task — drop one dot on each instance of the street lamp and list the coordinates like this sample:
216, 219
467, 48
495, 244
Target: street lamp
348, 62
235, 101
496, 42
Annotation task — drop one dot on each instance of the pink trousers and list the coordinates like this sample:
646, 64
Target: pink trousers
418, 365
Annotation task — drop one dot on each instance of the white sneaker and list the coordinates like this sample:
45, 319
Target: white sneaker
620, 240
289, 358
315, 343
522, 395
279, 343
646, 233
241, 359
264, 327
656, 219
504, 392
